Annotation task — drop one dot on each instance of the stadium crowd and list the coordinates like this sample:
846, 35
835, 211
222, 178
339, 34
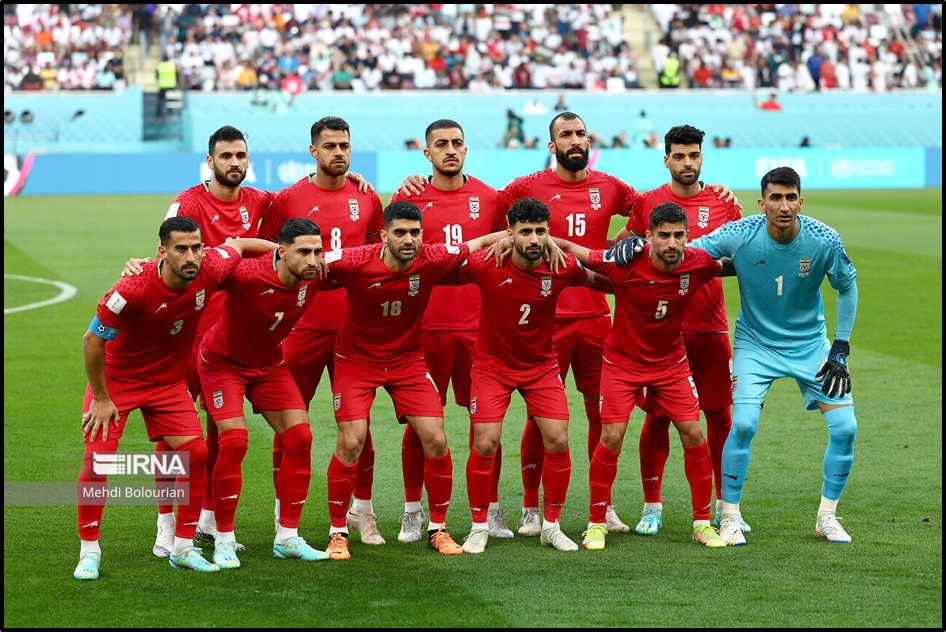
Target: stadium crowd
475, 47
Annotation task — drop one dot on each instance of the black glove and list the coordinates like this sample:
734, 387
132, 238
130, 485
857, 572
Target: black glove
622, 252
837, 380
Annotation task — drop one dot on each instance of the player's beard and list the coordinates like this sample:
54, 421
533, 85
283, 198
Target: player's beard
671, 259
573, 164
231, 179
334, 169
524, 252
303, 273
405, 256
450, 170
687, 179
188, 273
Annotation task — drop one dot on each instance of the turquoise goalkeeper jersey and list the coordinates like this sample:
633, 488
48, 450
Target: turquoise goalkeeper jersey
780, 284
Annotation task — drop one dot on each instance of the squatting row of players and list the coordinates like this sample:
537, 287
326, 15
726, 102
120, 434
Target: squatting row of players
395, 302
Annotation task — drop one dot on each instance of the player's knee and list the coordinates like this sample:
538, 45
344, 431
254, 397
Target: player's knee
298, 438
197, 452
745, 422
842, 425
557, 442
436, 446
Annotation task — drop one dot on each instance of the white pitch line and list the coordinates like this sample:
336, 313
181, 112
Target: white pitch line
66, 292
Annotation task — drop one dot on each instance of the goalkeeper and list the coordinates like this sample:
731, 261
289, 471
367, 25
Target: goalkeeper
781, 259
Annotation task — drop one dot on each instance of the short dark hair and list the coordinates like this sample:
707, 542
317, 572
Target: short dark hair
527, 210
565, 116
177, 224
401, 210
683, 135
226, 134
297, 227
781, 175
328, 122
440, 124
667, 213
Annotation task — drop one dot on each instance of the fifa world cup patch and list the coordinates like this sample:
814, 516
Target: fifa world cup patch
804, 267
474, 207
413, 285
116, 302
684, 284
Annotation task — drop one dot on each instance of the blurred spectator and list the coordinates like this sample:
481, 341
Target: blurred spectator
166, 72
514, 130
670, 71
560, 105
805, 142
641, 129
620, 141
814, 63
412, 143
653, 141
770, 105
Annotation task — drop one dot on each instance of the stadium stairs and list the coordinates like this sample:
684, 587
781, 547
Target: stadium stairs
642, 32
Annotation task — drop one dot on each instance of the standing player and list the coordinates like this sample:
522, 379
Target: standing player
705, 326
456, 207
781, 259
136, 353
241, 355
379, 345
224, 209
514, 351
348, 217
646, 350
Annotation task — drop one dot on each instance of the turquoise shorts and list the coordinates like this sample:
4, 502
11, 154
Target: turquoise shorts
755, 367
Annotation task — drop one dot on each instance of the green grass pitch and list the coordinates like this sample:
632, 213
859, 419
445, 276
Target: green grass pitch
890, 576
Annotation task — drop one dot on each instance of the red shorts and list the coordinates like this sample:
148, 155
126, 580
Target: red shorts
622, 380
542, 388
448, 356
308, 352
168, 409
409, 384
579, 343
268, 388
710, 359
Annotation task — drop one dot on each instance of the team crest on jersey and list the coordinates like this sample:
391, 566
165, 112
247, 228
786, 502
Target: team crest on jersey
595, 196
473, 406
353, 209
218, 399
804, 267
413, 285
684, 284
474, 207
702, 217
546, 284
300, 300
199, 297
245, 216
337, 401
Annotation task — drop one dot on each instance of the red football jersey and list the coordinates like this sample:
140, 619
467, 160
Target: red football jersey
705, 213
218, 221
581, 213
156, 325
650, 304
346, 218
453, 217
517, 327
258, 314
385, 308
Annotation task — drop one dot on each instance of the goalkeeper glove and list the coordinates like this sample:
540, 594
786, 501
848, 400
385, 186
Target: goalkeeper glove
622, 252
833, 372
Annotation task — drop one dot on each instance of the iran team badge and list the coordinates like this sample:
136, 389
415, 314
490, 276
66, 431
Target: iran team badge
702, 216
804, 267
300, 299
413, 285
595, 196
199, 297
684, 284
353, 210
337, 401
474, 207
473, 406
218, 399
546, 284
245, 216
